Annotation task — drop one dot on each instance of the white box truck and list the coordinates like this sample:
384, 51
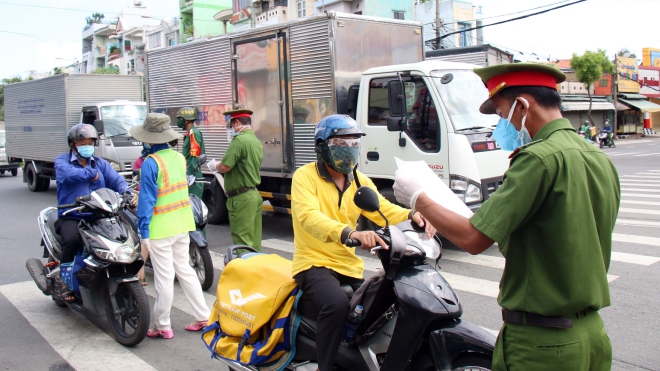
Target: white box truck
294, 73
39, 113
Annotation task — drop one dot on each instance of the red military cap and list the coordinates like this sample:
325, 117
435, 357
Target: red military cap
236, 114
500, 77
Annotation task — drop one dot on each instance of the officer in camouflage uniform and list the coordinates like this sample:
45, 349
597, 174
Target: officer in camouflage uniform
552, 219
193, 146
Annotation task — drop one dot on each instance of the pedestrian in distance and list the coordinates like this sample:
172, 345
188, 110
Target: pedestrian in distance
193, 146
241, 165
164, 220
552, 218
585, 129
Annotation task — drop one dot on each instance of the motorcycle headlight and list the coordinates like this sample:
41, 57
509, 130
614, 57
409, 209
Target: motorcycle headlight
119, 252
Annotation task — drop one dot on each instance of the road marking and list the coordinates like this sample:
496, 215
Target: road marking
639, 223
639, 181
631, 238
634, 258
654, 171
647, 154
639, 184
83, 345
647, 177
648, 172
473, 285
639, 211
640, 190
639, 195
634, 141
621, 154
649, 203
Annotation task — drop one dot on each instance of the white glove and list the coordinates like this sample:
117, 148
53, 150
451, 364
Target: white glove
212, 165
406, 189
145, 244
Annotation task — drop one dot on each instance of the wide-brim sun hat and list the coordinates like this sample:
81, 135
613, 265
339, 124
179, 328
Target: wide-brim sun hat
155, 129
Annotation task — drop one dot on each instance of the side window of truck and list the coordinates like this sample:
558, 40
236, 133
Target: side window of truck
89, 117
423, 125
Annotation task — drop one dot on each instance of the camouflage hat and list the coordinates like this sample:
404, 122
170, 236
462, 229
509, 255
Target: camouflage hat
299, 109
187, 113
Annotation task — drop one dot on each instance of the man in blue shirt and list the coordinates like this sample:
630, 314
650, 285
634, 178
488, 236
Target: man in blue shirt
79, 173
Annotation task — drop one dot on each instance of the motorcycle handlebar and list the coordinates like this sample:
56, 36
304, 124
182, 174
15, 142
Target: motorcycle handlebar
66, 206
352, 242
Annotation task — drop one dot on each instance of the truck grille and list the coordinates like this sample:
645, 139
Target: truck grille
490, 185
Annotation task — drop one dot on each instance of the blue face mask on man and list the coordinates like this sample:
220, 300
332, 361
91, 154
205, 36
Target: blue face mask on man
506, 135
85, 151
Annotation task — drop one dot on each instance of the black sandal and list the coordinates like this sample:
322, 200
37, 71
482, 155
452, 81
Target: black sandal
66, 295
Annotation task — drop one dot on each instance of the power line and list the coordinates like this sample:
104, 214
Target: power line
523, 11
37, 37
434, 43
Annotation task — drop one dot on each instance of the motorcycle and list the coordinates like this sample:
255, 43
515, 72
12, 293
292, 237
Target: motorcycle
414, 323
200, 257
605, 139
108, 285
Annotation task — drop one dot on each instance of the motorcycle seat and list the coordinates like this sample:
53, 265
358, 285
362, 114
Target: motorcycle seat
51, 219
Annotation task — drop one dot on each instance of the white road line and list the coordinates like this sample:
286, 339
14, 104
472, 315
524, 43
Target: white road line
638, 184
649, 172
640, 189
639, 181
638, 223
631, 238
83, 345
621, 154
634, 141
633, 258
639, 195
649, 203
647, 154
639, 211
473, 285
654, 171
648, 177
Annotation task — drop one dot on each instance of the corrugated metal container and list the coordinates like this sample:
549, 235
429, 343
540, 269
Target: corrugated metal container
39, 113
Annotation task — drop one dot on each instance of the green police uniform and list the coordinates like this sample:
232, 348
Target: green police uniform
552, 218
193, 147
244, 157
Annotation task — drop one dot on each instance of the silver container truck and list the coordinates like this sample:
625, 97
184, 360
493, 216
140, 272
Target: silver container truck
295, 73
39, 113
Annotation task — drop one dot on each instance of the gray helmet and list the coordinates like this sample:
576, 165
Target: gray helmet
81, 131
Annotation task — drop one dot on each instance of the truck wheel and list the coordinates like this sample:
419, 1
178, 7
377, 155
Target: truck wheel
365, 224
2, 172
215, 200
14, 172
34, 181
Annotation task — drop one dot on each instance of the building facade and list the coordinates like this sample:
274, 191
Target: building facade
454, 16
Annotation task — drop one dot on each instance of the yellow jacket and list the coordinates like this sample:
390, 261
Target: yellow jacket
323, 217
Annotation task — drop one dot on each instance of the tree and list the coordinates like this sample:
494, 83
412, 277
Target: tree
106, 71
625, 53
94, 18
589, 68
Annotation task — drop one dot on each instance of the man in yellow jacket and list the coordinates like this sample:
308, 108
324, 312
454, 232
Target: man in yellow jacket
164, 220
324, 216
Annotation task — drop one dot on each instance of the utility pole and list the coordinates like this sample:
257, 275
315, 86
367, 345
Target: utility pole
437, 24
615, 83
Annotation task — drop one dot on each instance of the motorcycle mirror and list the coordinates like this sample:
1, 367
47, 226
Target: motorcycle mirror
136, 172
201, 160
366, 199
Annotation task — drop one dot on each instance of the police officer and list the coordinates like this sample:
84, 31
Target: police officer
552, 218
241, 164
193, 146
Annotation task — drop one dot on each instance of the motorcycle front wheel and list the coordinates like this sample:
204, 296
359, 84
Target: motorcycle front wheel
130, 327
472, 363
200, 261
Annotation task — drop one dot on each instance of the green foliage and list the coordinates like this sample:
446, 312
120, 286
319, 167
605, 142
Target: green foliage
106, 71
625, 53
589, 68
94, 18
114, 49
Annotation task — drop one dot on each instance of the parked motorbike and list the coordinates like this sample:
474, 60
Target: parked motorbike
415, 320
200, 257
605, 139
108, 285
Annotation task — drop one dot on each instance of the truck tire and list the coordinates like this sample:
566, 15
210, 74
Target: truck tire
215, 200
34, 181
14, 172
365, 224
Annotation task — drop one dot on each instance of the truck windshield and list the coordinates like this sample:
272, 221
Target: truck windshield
462, 97
117, 120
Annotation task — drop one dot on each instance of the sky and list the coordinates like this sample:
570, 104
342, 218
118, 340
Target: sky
33, 37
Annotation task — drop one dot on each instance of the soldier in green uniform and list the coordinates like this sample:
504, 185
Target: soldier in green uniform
241, 164
552, 218
193, 146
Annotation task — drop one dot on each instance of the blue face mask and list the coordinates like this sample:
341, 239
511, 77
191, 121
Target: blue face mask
506, 135
85, 151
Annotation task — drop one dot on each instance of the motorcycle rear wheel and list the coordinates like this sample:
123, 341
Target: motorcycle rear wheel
201, 262
472, 363
132, 325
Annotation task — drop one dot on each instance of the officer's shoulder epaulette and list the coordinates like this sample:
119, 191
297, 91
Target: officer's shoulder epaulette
524, 146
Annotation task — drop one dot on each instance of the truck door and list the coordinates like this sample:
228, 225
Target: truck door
259, 79
425, 136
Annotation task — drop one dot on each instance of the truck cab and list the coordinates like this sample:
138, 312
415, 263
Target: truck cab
429, 111
6, 163
113, 120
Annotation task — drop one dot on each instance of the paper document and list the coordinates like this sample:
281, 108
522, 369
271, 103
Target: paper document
434, 187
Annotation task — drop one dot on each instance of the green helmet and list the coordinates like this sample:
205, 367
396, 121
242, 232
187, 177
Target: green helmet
187, 113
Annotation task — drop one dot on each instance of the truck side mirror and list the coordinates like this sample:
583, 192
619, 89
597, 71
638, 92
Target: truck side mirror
395, 97
98, 125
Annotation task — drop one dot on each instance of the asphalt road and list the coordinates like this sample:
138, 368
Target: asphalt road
38, 335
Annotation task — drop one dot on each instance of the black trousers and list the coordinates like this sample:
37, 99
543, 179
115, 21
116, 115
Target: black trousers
321, 286
71, 243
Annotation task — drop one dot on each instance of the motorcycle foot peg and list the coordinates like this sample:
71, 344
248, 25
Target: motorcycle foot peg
36, 269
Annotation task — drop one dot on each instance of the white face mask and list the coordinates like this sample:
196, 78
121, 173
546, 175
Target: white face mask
523, 134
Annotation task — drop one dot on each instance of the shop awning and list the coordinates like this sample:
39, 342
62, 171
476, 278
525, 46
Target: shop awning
584, 106
643, 105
